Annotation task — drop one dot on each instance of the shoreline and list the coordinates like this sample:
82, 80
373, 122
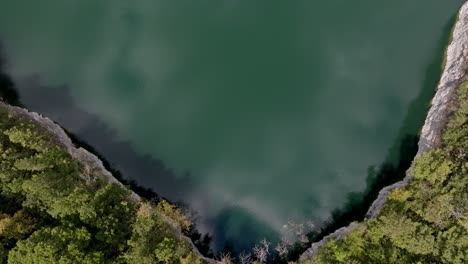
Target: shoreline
453, 73
436, 118
90, 162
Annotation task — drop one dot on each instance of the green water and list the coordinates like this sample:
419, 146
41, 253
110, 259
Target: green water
260, 111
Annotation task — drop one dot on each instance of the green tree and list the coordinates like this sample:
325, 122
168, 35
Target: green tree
56, 245
190, 259
166, 250
17, 226
433, 166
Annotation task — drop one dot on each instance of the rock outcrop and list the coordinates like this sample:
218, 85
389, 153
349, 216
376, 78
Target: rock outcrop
441, 105
431, 134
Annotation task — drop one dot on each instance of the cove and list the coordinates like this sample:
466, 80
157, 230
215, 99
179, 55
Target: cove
252, 113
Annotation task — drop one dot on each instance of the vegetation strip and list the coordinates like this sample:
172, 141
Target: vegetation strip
59, 205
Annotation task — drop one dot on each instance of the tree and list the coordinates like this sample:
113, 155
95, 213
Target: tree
17, 226
175, 214
28, 136
152, 240
433, 166
166, 250
262, 251
412, 236
56, 245
439, 210
245, 258
190, 259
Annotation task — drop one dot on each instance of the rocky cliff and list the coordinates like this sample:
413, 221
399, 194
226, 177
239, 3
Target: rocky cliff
441, 108
89, 161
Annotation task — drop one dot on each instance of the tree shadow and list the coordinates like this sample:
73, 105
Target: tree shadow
399, 156
132, 168
8, 92
247, 230
145, 175
92, 133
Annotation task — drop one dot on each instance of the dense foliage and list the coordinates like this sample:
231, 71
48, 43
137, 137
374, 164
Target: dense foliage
53, 210
425, 222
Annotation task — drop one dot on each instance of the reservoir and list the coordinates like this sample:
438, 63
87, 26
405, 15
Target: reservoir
251, 113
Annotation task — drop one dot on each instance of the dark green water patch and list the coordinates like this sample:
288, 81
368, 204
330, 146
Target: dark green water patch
273, 108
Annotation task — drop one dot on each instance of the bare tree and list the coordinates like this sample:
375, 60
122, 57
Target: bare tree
301, 236
300, 231
310, 226
283, 248
225, 258
262, 251
245, 258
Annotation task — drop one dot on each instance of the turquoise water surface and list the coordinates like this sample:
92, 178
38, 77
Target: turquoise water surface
253, 113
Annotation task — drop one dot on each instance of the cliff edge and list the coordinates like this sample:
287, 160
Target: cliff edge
88, 160
431, 134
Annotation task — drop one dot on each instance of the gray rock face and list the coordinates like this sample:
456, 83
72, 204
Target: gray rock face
92, 165
453, 74
436, 119
441, 105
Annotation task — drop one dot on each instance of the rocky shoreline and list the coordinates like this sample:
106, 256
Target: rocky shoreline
453, 74
90, 161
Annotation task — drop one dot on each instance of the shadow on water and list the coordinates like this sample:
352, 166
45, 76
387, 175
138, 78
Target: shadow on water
57, 104
8, 92
244, 230
399, 156
127, 166
90, 132
133, 168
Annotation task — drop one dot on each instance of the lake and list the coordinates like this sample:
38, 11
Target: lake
252, 113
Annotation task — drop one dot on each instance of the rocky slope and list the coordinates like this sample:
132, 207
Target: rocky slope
453, 74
